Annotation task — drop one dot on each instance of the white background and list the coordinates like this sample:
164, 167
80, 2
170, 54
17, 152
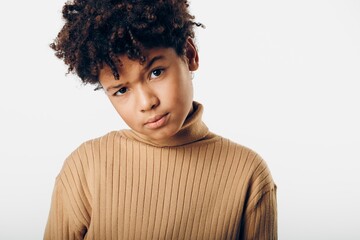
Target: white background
281, 77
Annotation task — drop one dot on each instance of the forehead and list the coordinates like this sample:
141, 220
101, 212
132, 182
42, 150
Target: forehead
126, 64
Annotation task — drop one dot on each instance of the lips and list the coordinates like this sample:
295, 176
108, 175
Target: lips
157, 121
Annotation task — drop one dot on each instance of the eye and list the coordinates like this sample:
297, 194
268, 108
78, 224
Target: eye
121, 91
156, 73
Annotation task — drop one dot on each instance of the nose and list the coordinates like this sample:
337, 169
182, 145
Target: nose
147, 98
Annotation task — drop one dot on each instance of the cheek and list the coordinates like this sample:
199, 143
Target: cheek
129, 118
124, 111
116, 106
185, 90
179, 90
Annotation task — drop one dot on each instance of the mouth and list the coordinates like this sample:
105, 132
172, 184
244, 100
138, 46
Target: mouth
157, 121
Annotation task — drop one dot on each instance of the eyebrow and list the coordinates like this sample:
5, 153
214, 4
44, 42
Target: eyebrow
114, 87
147, 66
154, 59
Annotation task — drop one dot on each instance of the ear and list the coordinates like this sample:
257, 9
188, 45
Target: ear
192, 56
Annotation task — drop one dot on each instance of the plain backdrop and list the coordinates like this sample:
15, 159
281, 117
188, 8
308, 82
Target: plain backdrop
281, 77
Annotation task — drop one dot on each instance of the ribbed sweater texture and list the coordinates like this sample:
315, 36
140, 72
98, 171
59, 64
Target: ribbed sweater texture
197, 186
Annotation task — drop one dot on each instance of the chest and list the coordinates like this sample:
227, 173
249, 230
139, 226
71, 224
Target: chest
166, 195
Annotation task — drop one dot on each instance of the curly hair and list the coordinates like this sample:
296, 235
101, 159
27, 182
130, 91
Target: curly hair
96, 32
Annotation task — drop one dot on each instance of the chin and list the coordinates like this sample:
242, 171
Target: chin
165, 134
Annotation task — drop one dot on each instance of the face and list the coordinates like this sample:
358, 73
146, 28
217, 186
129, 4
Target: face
153, 98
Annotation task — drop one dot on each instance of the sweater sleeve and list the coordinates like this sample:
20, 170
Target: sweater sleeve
69, 212
260, 220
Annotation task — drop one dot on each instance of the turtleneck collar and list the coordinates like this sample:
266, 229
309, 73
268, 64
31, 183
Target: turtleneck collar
192, 130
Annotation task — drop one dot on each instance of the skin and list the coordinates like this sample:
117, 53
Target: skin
154, 98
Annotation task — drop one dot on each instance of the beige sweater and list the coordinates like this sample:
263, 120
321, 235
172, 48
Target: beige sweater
198, 186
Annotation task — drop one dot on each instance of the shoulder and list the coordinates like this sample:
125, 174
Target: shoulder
258, 181
106, 141
84, 156
103, 140
243, 152
258, 175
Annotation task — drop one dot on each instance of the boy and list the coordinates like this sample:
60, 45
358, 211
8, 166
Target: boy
168, 177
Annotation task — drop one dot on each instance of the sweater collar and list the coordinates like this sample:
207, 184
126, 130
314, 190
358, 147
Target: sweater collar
192, 130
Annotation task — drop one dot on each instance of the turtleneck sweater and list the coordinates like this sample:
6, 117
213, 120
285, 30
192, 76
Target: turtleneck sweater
197, 185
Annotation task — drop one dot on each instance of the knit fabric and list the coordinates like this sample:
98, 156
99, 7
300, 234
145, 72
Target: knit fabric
197, 186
